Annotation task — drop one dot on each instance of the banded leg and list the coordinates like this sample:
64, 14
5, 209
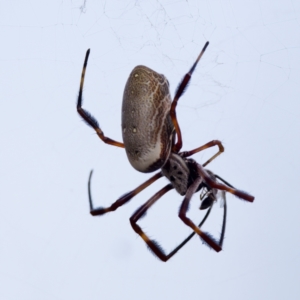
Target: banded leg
221, 239
152, 244
179, 92
206, 237
122, 200
206, 146
86, 116
174, 251
213, 183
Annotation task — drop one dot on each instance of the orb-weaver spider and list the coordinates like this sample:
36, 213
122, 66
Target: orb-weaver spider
150, 128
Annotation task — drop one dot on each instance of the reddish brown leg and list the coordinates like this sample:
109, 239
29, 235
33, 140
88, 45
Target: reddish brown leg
208, 145
124, 199
206, 237
173, 252
87, 117
180, 90
211, 182
152, 244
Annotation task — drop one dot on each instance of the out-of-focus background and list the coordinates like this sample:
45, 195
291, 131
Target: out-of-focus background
244, 92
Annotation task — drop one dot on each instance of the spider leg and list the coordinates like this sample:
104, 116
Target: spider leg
206, 146
86, 116
179, 92
122, 200
213, 183
220, 178
152, 244
174, 251
224, 222
206, 237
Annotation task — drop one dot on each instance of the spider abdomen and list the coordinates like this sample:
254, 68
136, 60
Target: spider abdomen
147, 127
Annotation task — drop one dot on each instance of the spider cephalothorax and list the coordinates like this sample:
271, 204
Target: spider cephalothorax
152, 140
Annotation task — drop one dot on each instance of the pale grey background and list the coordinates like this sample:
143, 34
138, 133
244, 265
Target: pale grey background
245, 92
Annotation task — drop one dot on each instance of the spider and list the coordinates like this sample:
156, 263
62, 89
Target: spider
152, 141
